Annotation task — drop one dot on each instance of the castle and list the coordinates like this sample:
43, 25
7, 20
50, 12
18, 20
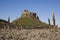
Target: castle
27, 14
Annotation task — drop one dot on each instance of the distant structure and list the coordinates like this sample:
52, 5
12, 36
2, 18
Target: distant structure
28, 14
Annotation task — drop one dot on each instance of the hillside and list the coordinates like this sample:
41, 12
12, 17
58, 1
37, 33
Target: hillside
29, 20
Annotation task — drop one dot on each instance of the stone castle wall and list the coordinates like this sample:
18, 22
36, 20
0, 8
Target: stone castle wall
28, 14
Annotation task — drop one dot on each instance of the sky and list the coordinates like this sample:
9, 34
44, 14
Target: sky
43, 8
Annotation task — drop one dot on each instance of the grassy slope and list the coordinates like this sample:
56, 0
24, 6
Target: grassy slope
28, 22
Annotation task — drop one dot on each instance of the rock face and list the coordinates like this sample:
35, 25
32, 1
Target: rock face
31, 34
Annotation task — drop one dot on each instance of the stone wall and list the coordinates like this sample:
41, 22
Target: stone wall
28, 14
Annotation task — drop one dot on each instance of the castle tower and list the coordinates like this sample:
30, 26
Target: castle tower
53, 18
25, 13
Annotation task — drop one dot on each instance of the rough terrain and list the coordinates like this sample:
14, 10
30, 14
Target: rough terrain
29, 34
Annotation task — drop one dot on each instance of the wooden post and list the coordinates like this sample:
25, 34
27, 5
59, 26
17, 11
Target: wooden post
8, 23
49, 24
48, 21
